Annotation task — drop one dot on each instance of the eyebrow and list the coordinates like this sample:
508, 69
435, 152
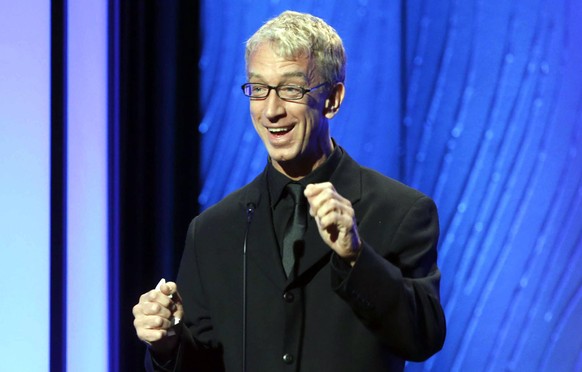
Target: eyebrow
285, 75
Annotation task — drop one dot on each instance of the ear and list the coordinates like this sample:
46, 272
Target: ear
334, 100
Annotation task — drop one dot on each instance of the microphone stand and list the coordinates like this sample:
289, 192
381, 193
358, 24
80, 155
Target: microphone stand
250, 212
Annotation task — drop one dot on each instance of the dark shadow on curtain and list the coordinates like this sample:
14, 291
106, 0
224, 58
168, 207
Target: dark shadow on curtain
58, 188
155, 148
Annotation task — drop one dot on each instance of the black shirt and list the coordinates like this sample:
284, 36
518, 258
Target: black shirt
282, 204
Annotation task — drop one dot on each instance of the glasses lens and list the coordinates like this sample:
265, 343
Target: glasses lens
248, 89
255, 90
290, 92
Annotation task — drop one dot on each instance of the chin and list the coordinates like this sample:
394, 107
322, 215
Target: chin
280, 158
282, 155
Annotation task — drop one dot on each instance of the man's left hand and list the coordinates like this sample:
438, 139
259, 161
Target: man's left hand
335, 220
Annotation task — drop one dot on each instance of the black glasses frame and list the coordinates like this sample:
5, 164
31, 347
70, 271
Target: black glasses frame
248, 87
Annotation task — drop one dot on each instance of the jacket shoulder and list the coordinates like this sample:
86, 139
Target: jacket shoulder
373, 180
236, 202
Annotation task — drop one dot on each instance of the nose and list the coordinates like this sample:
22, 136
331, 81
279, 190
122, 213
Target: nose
274, 107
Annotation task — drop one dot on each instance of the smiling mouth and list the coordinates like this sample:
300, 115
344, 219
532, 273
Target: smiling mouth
279, 131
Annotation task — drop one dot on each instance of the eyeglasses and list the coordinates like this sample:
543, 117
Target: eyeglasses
286, 92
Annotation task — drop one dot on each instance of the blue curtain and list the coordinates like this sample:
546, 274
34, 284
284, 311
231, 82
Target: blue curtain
476, 103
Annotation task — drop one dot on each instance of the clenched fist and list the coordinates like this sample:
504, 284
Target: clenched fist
335, 220
154, 315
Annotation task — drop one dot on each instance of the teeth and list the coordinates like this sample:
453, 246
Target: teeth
279, 130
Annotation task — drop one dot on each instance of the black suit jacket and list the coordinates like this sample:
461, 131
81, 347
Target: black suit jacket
328, 317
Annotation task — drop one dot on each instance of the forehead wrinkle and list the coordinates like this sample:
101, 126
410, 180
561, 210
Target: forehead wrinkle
295, 74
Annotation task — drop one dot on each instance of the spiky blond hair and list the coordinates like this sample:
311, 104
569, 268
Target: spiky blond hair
293, 34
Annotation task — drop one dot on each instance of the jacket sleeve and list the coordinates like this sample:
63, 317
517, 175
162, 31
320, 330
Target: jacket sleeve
394, 289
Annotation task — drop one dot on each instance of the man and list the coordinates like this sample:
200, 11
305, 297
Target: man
349, 285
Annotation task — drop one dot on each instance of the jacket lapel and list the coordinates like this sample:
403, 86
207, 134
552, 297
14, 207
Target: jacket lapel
261, 243
347, 181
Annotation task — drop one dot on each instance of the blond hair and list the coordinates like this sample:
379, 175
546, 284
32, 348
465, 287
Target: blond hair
293, 34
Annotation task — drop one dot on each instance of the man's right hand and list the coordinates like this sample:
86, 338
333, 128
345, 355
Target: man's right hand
154, 315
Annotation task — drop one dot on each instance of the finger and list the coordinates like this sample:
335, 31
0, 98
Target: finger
178, 309
170, 289
342, 207
318, 200
328, 203
144, 297
154, 308
152, 322
315, 188
341, 221
137, 310
154, 303
159, 297
149, 298
337, 208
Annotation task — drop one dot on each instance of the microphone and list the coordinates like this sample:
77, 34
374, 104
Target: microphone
250, 210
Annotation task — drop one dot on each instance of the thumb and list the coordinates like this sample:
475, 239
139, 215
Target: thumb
171, 289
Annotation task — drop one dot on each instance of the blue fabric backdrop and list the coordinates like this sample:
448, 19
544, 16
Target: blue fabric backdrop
476, 103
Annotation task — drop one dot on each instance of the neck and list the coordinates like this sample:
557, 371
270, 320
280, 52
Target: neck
299, 168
